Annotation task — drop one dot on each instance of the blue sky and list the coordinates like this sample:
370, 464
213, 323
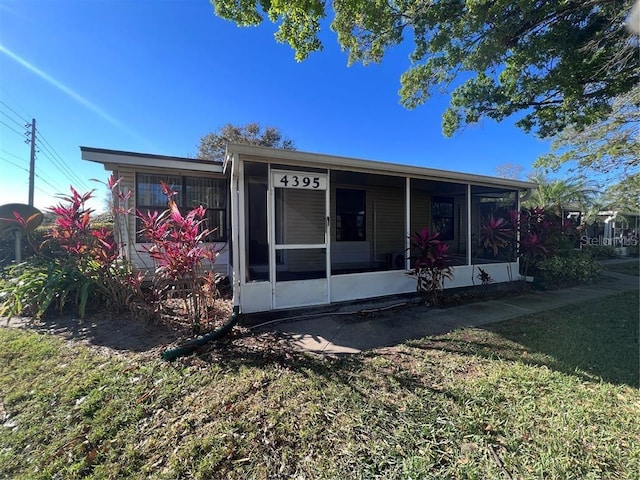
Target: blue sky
154, 76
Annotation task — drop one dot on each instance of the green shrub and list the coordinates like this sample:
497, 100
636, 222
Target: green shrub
600, 251
72, 261
35, 287
568, 268
7, 245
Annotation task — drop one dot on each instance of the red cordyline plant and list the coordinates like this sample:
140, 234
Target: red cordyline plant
76, 263
179, 252
430, 263
496, 234
93, 252
539, 237
73, 234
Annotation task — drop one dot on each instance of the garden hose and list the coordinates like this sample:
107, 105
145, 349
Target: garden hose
190, 346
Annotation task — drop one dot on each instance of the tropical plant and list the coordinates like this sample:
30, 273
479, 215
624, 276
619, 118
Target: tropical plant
600, 252
496, 234
76, 262
542, 235
430, 264
485, 279
533, 244
94, 252
559, 196
179, 252
35, 287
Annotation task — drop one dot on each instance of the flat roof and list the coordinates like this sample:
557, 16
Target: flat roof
297, 157
111, 158
119, 157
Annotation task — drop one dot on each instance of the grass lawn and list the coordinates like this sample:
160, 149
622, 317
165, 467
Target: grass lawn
549, 396
632, 267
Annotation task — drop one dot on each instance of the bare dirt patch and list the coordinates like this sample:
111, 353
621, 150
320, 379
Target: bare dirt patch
121, 332
112, 333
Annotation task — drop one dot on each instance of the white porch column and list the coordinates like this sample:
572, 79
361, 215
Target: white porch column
407, 222
236, 236
469, 224
327, 234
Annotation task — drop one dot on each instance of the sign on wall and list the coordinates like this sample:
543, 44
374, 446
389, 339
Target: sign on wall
301, 180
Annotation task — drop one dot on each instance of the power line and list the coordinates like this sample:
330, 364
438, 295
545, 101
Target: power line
38, 176
11, 118
40, 142
6, 152
43, 144
48, 194
72, 175
62, 167
44, 181
45, 178
11, 128
15, 113
15, 164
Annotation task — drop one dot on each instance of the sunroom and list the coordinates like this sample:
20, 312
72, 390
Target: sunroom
310, 229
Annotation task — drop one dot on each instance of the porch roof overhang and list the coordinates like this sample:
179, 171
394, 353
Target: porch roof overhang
112, 159
316, 160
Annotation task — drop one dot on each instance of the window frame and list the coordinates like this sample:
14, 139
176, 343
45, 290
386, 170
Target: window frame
218, 236
353, 217
438, 217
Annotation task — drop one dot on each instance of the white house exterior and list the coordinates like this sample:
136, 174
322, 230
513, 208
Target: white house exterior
302, 229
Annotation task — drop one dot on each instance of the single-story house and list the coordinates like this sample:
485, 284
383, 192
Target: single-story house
299, 229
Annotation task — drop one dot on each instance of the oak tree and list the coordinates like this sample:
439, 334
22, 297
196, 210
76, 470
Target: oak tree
213, 145
610, 146
624, 195
556, 63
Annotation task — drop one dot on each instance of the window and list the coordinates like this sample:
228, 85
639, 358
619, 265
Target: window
442, 214
351, 223
211, 193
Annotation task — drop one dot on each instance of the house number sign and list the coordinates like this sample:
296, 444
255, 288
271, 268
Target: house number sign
303, 180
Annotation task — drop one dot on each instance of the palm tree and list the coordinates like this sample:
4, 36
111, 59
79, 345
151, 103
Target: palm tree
559, 196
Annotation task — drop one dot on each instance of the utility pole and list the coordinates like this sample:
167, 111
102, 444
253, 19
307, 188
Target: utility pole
32, 162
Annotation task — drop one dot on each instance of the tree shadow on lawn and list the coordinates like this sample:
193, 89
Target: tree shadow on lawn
596, 339
122, 331
246, 349
119, 332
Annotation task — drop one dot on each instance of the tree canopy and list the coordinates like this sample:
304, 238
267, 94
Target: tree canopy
213, 145
625, 195
557, 63
610, 146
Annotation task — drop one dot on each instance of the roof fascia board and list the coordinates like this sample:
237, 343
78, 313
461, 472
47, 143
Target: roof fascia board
115, 157
298, 158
